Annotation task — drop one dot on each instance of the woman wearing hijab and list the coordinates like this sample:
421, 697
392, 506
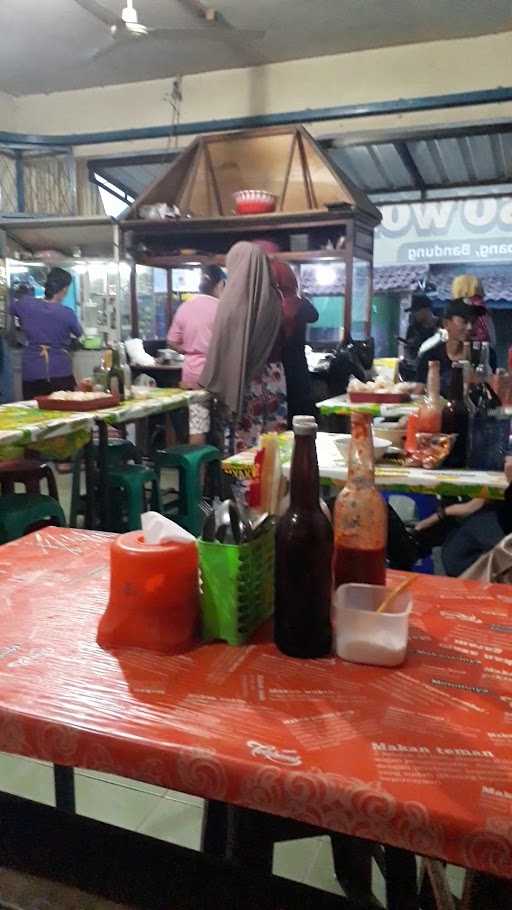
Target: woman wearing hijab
297, 313
244, 369
49, 328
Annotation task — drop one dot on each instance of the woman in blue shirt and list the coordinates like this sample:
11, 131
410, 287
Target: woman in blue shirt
49, 328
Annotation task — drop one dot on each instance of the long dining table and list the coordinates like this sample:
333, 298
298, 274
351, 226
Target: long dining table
418, 758
390, 476
60, 433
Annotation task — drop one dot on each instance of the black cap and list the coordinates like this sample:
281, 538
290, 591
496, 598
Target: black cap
459, 307
419, 302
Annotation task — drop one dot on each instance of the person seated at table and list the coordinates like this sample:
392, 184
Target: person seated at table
49, 328
422, 326
244, 367
297, 313
463, 530
190, 334
457, 322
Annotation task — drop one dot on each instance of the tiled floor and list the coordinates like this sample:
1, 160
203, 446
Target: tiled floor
172, 816
164, 814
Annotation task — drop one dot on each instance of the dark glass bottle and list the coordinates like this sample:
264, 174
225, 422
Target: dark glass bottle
304, 545
456, 418
116, 375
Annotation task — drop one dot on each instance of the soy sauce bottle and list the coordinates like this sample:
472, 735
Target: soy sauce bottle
304, 546
456, 418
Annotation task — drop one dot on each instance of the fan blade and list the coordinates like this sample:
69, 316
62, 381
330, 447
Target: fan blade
210, 33
100, 12
113, 46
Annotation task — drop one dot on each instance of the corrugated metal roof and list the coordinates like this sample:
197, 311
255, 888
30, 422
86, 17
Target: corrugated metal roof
438, 159
468, 157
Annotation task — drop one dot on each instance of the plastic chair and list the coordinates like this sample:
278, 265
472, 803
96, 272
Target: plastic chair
128, 485
19, 512
119, 453
189, 462
30, 474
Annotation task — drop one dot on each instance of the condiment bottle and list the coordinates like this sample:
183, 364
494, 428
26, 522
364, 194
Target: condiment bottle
116, 375
304, 545
455, 418
360, 517
430, 412
484, 370
127, 373
483, 395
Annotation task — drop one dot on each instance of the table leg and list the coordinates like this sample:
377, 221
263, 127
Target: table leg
242, 836
214, 834
91, 517
484, 892
401, 879
64, 781
170, 434
102, 476
141, 435
353, 866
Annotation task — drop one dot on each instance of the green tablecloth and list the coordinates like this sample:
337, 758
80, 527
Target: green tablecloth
59, 434
333, 471
56, 434
159, 402
341, 405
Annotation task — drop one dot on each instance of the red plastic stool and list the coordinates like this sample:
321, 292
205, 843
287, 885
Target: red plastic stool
29, 473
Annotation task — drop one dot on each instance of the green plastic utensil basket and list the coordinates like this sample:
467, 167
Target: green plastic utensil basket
237, 587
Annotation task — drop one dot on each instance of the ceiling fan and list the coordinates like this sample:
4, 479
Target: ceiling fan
126, 28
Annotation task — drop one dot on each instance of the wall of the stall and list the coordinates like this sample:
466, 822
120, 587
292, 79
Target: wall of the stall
434, 68
385, 324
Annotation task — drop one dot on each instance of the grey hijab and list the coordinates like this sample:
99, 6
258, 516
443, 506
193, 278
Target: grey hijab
246, 326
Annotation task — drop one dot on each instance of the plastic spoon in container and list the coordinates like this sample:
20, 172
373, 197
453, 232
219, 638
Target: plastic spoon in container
393, 594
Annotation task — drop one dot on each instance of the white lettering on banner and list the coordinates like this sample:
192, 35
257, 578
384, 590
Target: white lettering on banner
280, 757
396, 219
480, 213
433, 217
445, 231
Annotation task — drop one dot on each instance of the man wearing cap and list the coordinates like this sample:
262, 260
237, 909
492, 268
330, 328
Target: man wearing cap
422, 325
457, 320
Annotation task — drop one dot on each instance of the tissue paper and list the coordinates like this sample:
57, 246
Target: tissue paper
154, 589
157, 528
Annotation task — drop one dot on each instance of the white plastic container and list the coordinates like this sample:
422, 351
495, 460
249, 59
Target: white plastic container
364, 636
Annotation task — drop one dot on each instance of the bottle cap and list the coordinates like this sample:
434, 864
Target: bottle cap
304, 425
